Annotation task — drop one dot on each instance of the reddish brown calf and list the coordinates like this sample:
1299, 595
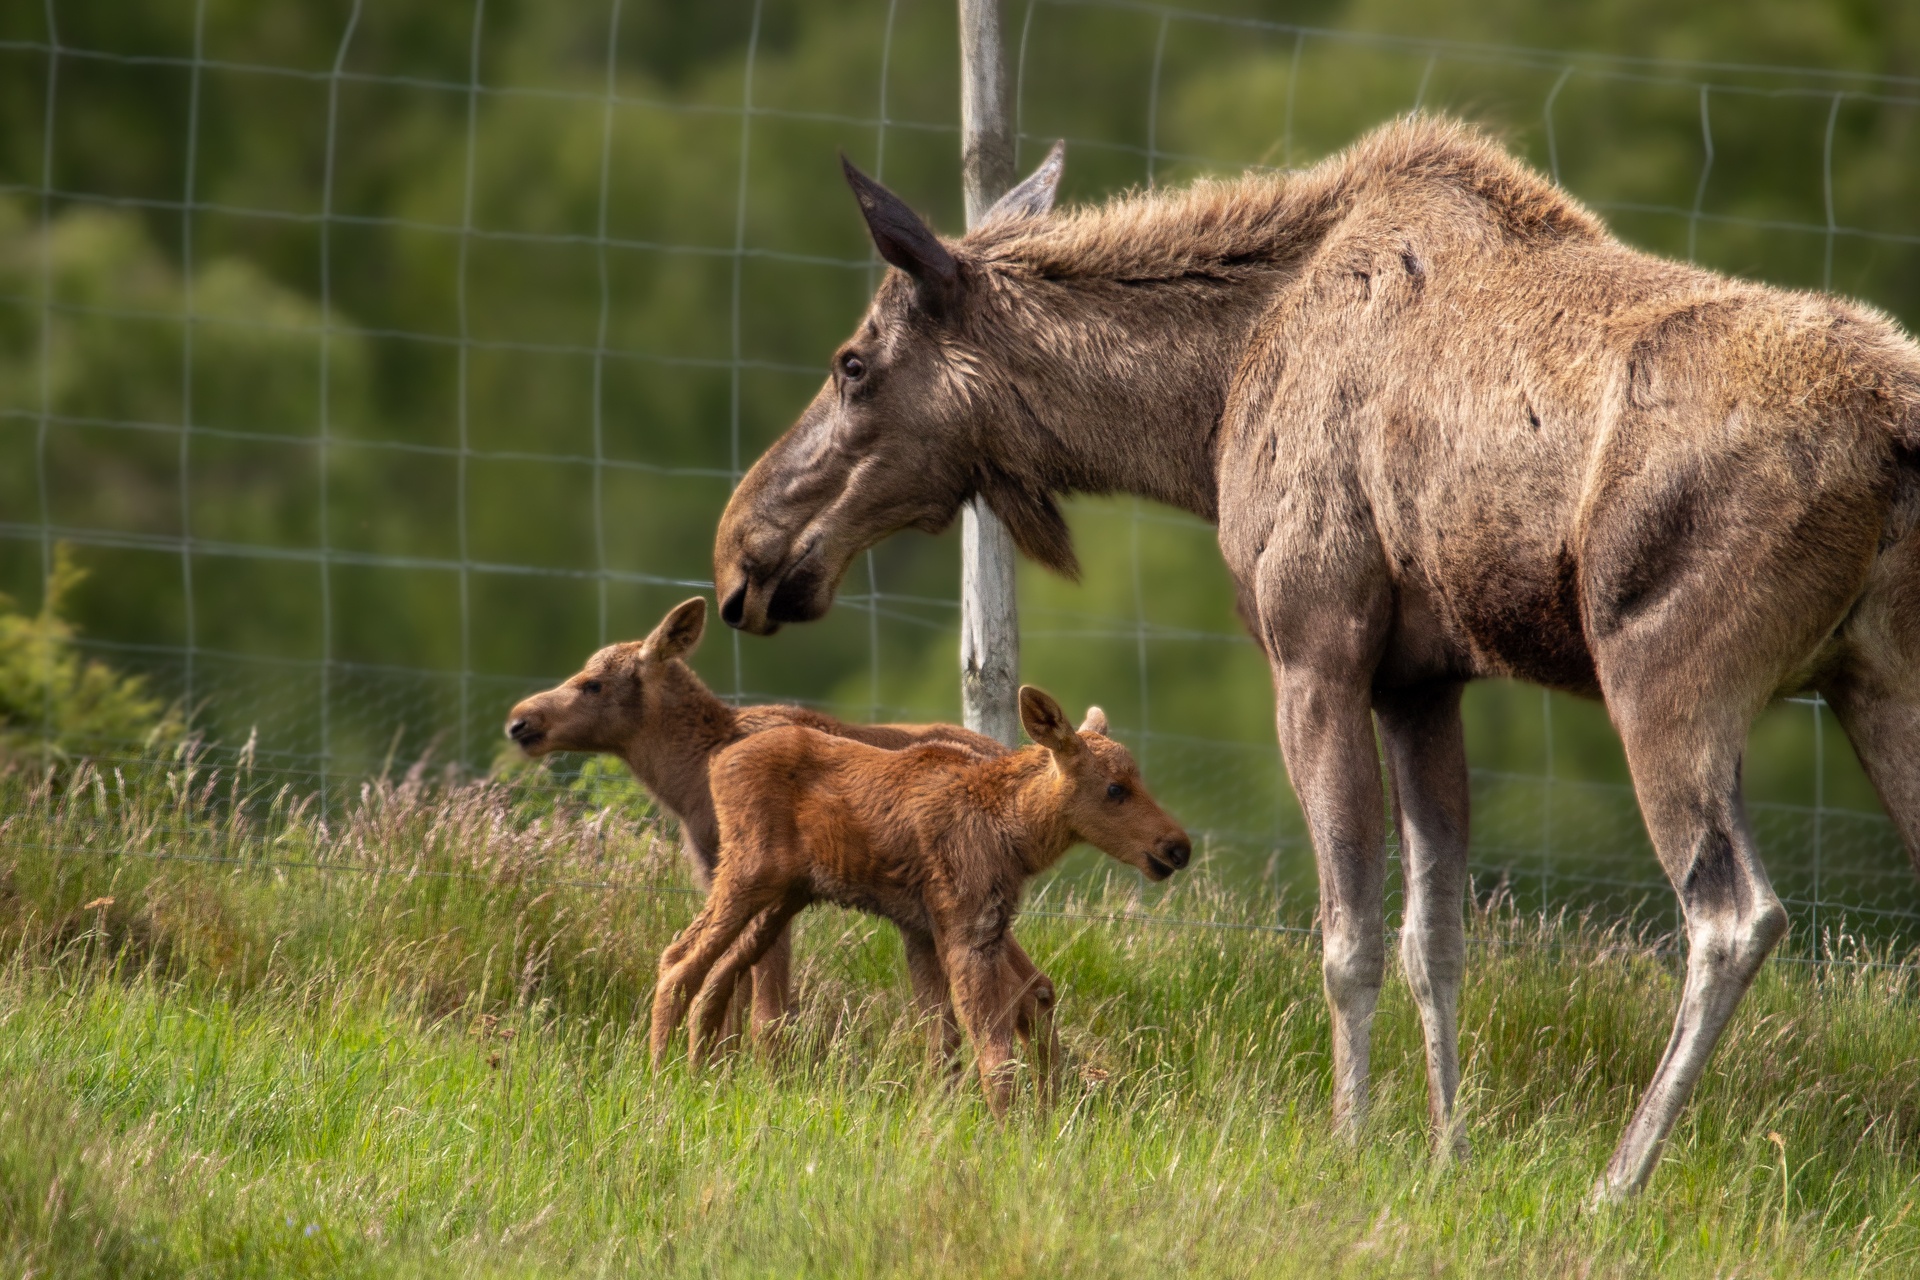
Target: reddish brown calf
640, 701
938, 840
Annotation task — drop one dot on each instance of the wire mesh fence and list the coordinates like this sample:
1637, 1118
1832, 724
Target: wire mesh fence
365, 435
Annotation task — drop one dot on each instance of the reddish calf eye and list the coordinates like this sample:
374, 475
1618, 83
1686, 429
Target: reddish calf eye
1116, 792
591, 686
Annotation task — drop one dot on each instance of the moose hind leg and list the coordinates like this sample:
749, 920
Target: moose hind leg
716, 992
684, 965
1686, 772
772, 987
1427, 761
1875, 689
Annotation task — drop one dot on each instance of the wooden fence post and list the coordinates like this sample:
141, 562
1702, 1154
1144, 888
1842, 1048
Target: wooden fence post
989, 612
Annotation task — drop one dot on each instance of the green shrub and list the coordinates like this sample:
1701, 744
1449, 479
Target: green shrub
54, 700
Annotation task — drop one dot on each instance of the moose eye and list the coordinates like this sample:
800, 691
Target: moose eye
591, 686
1116, 792
852, 367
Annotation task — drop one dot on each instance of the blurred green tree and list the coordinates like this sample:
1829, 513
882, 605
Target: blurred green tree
467, 322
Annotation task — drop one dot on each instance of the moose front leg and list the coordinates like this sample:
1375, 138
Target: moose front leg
982, 988
1326, 736
1033, 995
1427, 761
932, 1002
1321, 603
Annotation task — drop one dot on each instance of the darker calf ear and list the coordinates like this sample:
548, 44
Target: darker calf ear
679, 632
1046, 723
905, 241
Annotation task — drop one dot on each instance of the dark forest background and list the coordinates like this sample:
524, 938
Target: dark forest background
403, 315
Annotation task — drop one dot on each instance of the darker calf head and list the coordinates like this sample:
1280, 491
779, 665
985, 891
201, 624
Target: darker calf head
1105, 803
623, 690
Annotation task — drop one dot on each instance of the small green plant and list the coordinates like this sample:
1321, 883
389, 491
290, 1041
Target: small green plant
590, 784
54, 700
605, 783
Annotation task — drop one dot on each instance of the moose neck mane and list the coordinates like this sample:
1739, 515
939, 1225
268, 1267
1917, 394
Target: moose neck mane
1121, 326
1107, 383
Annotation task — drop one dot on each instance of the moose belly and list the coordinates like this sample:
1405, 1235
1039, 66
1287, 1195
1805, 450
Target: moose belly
1516, 610
876, 895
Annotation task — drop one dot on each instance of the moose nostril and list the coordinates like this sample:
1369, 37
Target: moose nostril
734, 607
516, 728
1176, 852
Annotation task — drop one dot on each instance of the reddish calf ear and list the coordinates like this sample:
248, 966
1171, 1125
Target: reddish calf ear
1096, 722
1046, 723
679, 632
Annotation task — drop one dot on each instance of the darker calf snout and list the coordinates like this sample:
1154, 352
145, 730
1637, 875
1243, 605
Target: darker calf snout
525, 728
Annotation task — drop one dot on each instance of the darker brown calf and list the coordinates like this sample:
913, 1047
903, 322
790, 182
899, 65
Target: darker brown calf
938, 840
640, 701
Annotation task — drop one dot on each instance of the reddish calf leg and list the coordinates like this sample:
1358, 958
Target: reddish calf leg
684, 965
716, 992
1031, 992
981, 993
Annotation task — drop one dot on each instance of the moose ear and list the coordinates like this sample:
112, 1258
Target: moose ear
904, 240
1096, 722
1034, 197
1046, 723
678, 633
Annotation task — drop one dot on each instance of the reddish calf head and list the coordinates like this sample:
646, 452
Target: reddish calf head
622, 689
1104, 802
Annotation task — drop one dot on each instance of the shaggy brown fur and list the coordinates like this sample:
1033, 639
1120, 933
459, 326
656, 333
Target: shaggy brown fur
1449, 429
642, 702
938, 840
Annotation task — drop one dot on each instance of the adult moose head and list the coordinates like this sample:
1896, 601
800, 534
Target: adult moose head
1449, 429
973, 366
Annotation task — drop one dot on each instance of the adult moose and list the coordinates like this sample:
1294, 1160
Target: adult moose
1449, 428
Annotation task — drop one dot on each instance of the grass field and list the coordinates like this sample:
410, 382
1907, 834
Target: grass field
426, 1057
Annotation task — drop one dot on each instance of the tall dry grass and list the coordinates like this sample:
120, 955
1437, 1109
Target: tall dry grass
246, 1036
